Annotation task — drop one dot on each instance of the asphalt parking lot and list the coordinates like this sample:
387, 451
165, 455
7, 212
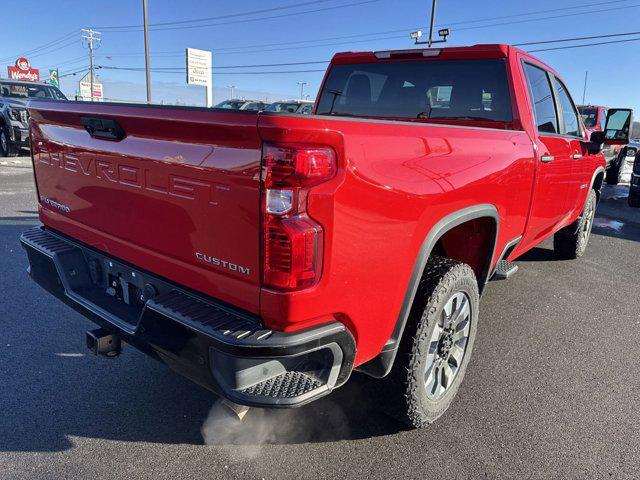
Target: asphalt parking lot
551, 392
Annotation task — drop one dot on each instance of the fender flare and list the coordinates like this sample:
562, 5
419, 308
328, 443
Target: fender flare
599, 170
381, 365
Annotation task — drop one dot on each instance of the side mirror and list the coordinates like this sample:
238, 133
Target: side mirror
618, 126
594, 145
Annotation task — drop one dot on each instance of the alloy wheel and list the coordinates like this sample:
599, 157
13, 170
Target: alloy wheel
447, 345
3, 141
587, 224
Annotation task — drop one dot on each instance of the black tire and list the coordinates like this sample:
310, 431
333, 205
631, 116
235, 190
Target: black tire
7, 149
571, 242
634, 197
407, 397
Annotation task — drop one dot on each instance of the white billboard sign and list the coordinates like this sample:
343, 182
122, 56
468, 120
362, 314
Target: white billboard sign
85, 89
199, 70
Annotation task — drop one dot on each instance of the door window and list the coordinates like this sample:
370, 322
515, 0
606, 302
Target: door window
569, 112
542, 97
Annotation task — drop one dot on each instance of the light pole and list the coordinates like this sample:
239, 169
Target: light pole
443, 32
146, 48
584, 90
433, 17
302, 84
232, 88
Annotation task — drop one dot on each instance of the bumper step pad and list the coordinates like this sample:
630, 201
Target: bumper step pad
504, 270
286, 385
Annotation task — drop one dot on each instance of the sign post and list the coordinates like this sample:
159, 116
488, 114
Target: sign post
23, 71
199, 71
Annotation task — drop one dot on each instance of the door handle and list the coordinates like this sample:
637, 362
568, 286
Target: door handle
103, 128
547, 158
576, 156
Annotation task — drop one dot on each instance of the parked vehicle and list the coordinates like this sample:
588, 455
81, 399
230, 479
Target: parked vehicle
615, 170
634, 186
291, 106
594, 118
237, 104
255, 106
14, 95
266, 256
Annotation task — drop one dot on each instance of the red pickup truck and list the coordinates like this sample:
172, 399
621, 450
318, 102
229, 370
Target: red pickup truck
266, 256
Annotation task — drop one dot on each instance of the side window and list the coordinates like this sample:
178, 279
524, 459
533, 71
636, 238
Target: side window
542, 98
603, 119
569, 113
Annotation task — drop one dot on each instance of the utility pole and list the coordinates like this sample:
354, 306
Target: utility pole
90, 36
584, 90
232, 87
302, 84
146, 48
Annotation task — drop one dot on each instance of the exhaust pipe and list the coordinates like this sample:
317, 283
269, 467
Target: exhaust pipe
234, 410
102, 342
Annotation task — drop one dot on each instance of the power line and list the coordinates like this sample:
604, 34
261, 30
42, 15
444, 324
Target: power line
552, 17
183, 27
566, 47
515, 15
291, 45
39, 48
224, 67
75, 72
227, 67
71, 61
591, 37
401, 30
367, 40
139, 69
60, 47
220, 17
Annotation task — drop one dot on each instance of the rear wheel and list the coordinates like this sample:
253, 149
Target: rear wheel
571, 242
436, 345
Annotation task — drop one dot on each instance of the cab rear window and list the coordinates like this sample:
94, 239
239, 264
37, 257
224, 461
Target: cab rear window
589, 116
471, 90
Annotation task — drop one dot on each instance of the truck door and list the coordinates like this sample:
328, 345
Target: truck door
553, 152
571, 129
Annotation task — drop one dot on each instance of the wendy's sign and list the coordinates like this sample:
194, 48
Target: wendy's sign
23, 71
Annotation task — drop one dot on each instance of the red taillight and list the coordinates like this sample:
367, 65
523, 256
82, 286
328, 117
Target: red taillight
297, 167
293, 242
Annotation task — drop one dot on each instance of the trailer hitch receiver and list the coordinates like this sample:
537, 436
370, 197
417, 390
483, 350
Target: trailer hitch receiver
102, 342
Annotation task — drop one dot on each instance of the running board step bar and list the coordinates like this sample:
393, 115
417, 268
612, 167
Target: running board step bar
504, 270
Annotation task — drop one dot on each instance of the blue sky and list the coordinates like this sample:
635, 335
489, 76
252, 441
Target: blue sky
310, 32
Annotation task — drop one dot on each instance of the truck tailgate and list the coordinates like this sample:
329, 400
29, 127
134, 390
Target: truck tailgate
178, 195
